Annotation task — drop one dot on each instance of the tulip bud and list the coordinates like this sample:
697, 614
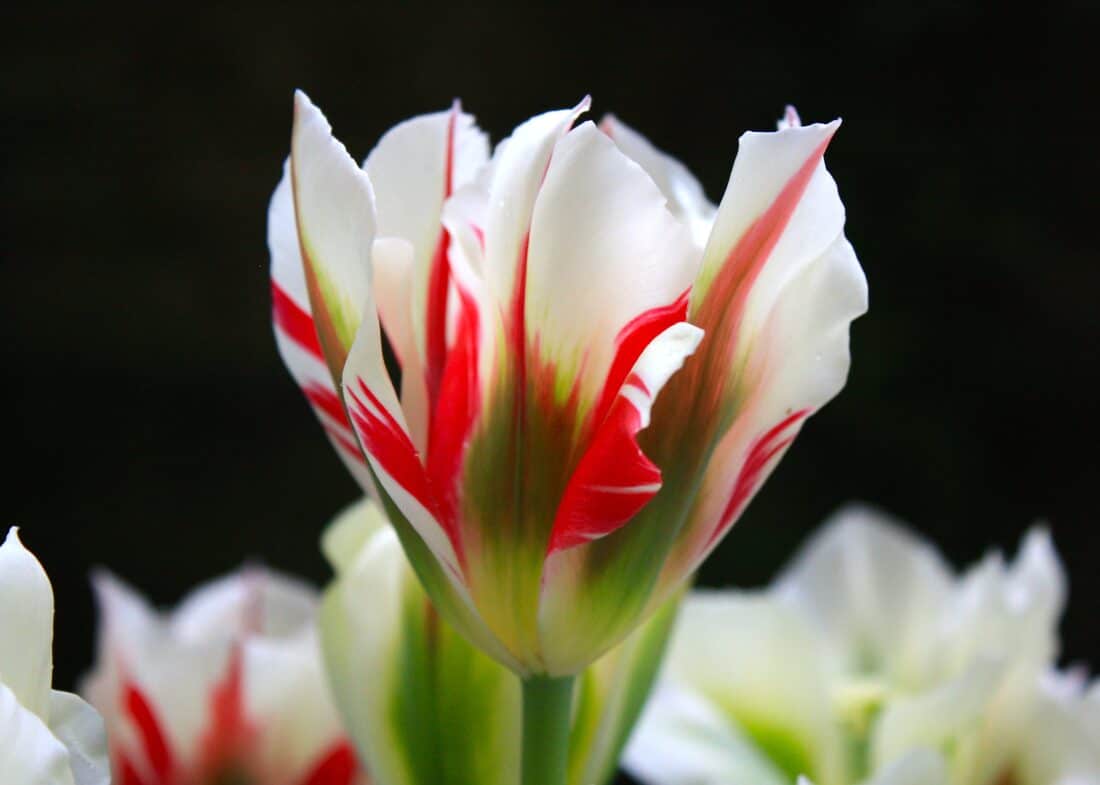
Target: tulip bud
423, 704
47, 737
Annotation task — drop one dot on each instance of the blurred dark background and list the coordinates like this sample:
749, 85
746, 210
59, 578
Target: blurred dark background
151, 427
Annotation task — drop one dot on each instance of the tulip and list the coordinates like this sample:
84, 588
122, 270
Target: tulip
868, 660
47, 737
537, 303
424, 705
226, 688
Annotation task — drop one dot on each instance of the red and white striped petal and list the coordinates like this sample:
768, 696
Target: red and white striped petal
229, 681
685, 195
296, 334
384, 436
394, 262
334, 206
803, 362
779, 212
151, 690
603, 249
414, 168
615, 479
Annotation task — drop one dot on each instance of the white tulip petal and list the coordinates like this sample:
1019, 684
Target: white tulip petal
599, 225
29, 753
296, 332
80, 728
876, 591
681, 739
685, 195
920, 767
334, 206
518, 167
26, 626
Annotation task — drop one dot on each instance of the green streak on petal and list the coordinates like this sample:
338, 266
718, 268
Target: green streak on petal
515, 471
782, 747
610, 697
335, 317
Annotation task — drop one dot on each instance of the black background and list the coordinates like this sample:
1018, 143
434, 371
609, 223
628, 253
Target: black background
150, 426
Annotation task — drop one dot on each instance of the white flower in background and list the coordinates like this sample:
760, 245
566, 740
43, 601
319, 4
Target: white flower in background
46, 737
228, 688
427, 707
868, 660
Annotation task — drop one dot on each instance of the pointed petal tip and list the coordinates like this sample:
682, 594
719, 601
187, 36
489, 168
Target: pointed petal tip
790, 118
13, 537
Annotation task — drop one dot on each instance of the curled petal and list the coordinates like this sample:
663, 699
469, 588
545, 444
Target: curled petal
615, 479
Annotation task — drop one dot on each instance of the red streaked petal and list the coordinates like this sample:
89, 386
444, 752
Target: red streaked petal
384, 436
763, 451
387, 442
229, 733
439, 283
337, 766
614, 479
293, 320
632, 340
296, 332
154, 741
457, 409
723, 302
128, 773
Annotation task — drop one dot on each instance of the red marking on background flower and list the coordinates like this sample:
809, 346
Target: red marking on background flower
229, 734
612, 482
439, 279
631, 341
127, 772
337, 766
294, 320
760, 454
154, 741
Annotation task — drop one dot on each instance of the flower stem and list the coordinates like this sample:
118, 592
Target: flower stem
547, 712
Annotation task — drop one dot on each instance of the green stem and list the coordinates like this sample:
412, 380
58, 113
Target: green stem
547, 711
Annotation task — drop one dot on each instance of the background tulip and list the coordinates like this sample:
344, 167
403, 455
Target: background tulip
423, 704
868, 660
226, 688
47, 737
546, 496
